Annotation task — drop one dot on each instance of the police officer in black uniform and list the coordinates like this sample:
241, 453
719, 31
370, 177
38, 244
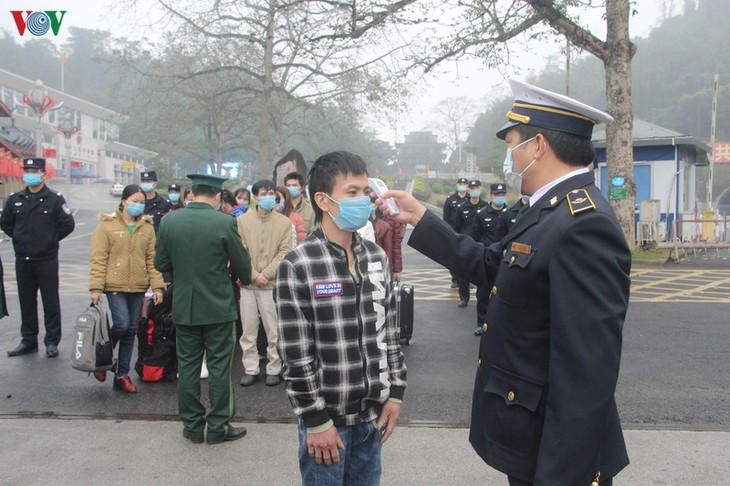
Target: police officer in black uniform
37, 218
462, 220
154, 205
509, 216
448, 213
173, 197
544, 409
487, 229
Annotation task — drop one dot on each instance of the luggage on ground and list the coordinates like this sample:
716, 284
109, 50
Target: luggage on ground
404, 310
156, 349
92, 344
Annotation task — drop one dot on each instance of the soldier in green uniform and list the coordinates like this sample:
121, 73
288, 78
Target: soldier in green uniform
196, 244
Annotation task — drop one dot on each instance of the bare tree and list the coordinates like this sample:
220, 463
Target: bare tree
454, 116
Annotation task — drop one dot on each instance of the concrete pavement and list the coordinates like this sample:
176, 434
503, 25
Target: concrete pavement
93, 452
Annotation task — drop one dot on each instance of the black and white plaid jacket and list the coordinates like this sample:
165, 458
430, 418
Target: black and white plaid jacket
338, 337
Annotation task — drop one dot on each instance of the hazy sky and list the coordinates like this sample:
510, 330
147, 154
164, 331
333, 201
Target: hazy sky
465, 78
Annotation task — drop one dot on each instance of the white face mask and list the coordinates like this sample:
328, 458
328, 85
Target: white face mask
512, 178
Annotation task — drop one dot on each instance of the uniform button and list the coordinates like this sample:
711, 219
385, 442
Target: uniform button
479, 363
485, 326
511, 396
512, 260
504, 253
494, 290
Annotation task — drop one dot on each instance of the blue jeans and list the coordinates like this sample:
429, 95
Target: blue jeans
359, 462
126, 309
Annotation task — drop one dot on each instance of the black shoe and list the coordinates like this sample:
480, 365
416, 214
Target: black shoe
233, 433
462, 303
51, 351
194, 437
23, 349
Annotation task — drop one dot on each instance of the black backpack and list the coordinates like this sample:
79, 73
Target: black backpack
156, 353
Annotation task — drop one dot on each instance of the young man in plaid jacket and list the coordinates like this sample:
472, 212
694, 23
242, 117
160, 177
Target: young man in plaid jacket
344, 369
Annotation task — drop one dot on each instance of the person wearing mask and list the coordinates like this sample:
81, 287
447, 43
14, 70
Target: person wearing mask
509, 216
173, 197
198, 245
345, 372
294, 181
37, 218
121, 266
266, 235
229, 204
243, 196
462, 220
487, 229
155, 205
544, 408
450, 205
285, 207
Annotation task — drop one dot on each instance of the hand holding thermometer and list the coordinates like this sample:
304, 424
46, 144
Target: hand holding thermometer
379, 187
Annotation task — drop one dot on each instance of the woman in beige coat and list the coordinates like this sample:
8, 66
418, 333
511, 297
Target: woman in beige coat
121, 264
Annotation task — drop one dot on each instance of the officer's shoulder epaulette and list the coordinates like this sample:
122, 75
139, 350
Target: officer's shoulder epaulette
579, 200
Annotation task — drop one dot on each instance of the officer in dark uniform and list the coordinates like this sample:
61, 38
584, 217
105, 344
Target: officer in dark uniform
196, 245
544, 410
462, 220
154, 205
173, 197
37, 218
450, 207
487, 229
509, 216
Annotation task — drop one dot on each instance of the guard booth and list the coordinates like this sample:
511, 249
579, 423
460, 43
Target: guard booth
665, 173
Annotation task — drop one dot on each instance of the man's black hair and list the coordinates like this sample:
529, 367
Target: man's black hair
205, 191
294, 175
244, 191
573, 150
265, 184
324, 171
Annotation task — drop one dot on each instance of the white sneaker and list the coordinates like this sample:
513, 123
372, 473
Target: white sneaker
204, 371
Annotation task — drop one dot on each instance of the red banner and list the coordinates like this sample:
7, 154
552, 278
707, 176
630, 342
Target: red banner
721, 154
49, 153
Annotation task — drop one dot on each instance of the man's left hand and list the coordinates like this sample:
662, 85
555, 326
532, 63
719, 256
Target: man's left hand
388, 419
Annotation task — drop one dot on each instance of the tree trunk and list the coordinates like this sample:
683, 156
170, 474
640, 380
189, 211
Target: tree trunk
619, 137
264, 160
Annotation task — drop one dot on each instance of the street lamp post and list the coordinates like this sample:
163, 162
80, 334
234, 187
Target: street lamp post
68, 129
39, 101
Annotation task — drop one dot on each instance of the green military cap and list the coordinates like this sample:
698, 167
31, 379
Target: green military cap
213, 181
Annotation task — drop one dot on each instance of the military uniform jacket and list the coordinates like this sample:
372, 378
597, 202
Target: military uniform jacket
157, 207
544, 407
464, 213
196, 244
509, 216
36, 223
485, 226
450, 207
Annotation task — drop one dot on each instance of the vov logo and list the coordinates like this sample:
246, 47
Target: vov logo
38, 23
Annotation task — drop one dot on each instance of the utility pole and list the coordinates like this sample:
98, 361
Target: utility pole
712, 141
567, 66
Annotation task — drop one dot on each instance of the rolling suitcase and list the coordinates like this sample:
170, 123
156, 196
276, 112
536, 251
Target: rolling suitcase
404, 311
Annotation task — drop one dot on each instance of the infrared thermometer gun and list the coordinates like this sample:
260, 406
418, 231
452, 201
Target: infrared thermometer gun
379, 187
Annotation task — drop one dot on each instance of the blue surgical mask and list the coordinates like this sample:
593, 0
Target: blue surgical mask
32, 180
295, 191
280, 208
460, 188
267, 203
243, 205
475, 194
499, 200
174, 197
512, 178
147, 186
135, 209
354, 212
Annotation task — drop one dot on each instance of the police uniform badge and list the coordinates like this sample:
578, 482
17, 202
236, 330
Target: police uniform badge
579, 201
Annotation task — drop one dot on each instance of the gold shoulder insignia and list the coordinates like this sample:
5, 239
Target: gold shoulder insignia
579, 201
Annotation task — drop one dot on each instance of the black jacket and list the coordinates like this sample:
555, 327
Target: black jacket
450, 207
36, 223
543, 409
486, 225
157, 207
463, 215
